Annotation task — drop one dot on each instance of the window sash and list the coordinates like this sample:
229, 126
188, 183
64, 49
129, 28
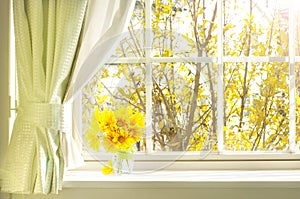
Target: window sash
219, 61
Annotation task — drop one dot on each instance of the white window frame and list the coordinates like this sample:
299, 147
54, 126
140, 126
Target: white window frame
220, 159
195, 160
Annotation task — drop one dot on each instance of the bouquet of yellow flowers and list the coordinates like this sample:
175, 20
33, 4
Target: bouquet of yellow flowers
117, 131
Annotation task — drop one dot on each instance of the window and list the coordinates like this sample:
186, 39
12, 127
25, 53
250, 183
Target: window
209, 75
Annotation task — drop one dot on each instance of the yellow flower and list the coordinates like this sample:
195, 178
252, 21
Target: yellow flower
106, 120
137, 118
109, 146
122, 140
122, 118
136, 132
93, 140
108, 169
119, 129
92, 136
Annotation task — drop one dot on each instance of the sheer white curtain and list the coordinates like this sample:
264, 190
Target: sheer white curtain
105, 22
59, 45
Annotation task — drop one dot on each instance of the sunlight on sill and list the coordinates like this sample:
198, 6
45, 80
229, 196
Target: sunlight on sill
185, 179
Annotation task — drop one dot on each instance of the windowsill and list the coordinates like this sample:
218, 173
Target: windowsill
191, 179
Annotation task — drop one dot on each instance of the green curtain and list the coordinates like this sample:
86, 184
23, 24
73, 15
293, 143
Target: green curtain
47, 35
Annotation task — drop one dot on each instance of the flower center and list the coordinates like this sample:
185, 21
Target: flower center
121, 139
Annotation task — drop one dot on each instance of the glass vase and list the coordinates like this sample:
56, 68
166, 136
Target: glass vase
122, 162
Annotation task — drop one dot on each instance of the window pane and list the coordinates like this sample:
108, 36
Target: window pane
114, 86
184, 28
132, 42
297, 31
255, 28
256, 106
184, 106
298, 104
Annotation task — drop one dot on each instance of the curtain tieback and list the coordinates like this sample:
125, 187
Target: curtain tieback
52, 116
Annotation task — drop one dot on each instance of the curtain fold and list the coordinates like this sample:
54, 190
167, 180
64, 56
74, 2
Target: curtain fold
47, 35
105, 22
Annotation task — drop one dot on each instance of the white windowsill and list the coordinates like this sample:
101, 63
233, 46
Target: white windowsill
185, 179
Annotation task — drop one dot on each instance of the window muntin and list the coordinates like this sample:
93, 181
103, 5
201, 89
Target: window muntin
271, 59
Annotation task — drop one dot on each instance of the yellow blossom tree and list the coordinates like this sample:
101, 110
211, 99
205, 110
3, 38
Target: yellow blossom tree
184, 95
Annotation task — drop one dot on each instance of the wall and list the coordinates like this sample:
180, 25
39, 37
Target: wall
4, 65
207, 193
